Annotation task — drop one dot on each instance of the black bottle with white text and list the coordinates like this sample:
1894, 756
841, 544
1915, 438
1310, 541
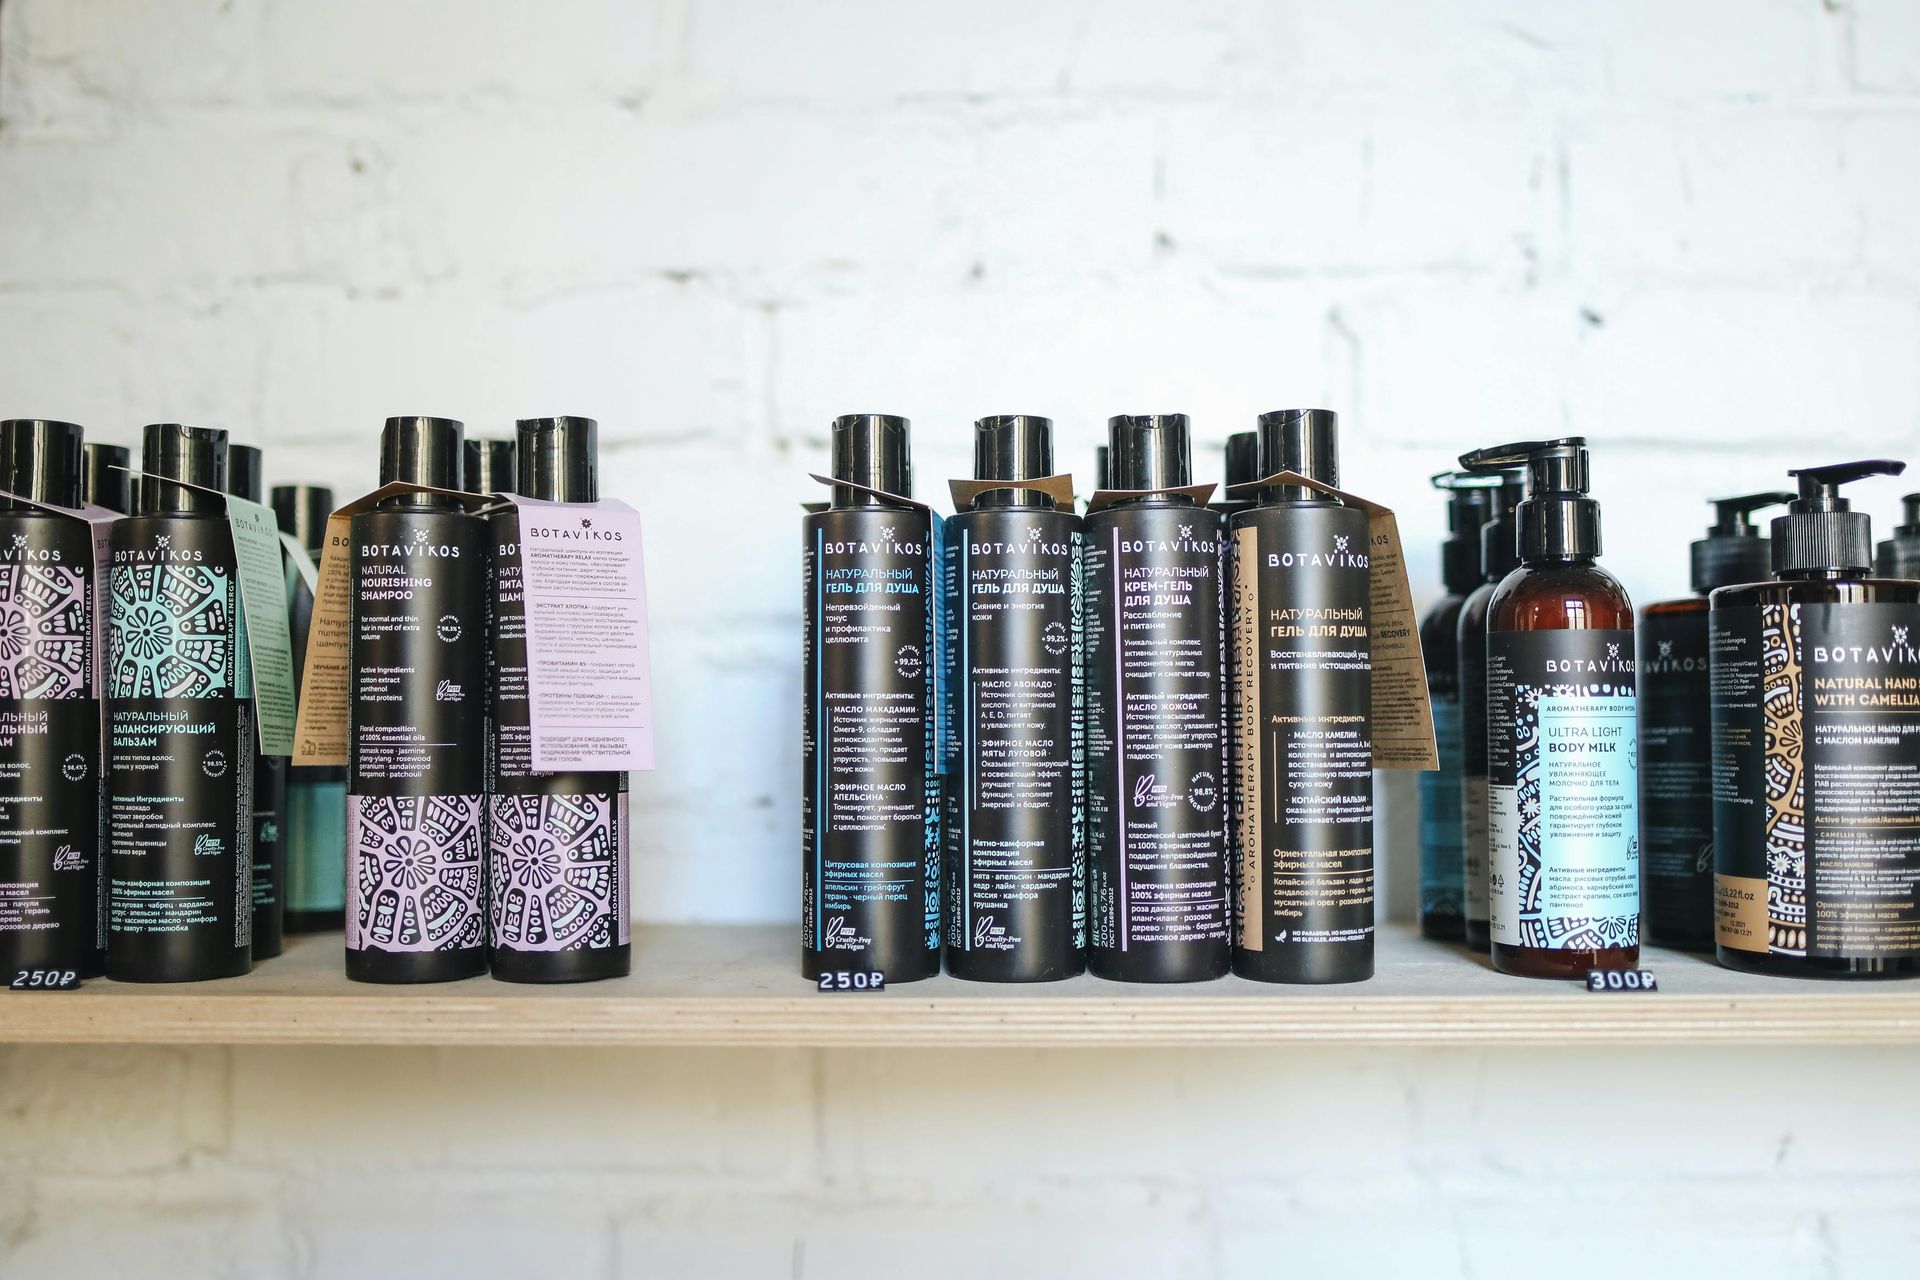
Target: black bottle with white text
870, 807
1499, 556
1015, 800
416, 857
313, 831
1302, 656
269, 772
1157, 869
180, 717
51, 850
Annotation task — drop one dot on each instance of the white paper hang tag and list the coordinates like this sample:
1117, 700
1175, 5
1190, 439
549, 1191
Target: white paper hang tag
302, 562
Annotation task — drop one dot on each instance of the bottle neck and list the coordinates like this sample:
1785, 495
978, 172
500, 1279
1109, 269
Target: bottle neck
1822, 575
1029, 499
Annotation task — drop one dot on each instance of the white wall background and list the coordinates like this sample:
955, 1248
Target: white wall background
1687, 230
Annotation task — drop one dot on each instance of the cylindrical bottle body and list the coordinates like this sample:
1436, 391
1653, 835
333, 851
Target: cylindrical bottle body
1157, 869
1015, 804
1476, 842
1302, 652
51, 842
557, 847
269, 855
1815, 691
1676, 775
1442, 833
416, 875
314, 832
181, 749
870, 808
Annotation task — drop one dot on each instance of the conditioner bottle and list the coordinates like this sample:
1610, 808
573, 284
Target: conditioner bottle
1499, 556
1816, 750
269, 772
314, 832
1303, 743
1156, 744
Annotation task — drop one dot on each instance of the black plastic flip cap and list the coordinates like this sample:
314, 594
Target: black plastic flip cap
559, 459
491, 466
1821, 532
424, 451
872, 450
1558, 521
197, 455
1243, 460
1014, 446
42, 460
1304, 441
1103, 466
1149, 451
302, 511
1733, 550
243, 472
1472, 499
106, 472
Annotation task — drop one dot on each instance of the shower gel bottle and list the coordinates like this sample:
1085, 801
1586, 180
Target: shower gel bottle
870, 808
416, 873
314, 831
1015, 820
1499, 556
180, 713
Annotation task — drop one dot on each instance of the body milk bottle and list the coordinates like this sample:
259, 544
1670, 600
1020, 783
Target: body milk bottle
1816, 739
556, 842
1676, 731
1562, 723
1015, 821
416, 875
50, 838
269, 772
870, 809
1156, 743
1499, 556
180, 713
1303, 745
314, 832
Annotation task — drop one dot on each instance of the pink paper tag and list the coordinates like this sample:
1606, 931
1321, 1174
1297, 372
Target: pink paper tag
589, 691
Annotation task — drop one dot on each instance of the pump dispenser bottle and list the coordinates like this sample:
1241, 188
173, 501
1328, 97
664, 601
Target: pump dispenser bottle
107, 476
180, 715
416, 879
1302, 655
1471, 500
1015, 820
491, 466
1562, 723
1157, 867
50, 837
314, 832
1499, 556
1676, 731
870, 812
1816, 730
269, 772
1899, 555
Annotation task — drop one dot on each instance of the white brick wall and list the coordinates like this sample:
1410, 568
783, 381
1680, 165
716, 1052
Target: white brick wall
1686, 230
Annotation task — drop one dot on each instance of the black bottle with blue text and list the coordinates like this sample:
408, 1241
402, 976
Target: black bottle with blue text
1015, 820
180, 717
269, 772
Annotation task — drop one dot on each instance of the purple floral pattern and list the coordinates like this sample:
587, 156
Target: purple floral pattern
416, 878
46, 632
558, 871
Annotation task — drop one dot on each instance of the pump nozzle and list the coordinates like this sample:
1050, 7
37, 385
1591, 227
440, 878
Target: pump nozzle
1820, 486
1558, 521
1730, 514
1821, 532
1733, 550
1473, 499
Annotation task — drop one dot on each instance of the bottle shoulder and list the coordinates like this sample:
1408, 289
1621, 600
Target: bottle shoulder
1572, 596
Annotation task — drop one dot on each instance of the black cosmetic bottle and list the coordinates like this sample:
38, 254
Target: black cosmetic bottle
557, 847
870, 809
1499, 556
314, 830
1303, 744
1471, 500
491, 466
269, 772
416, 874
1816, 732
107, 476
1015, 819
180, 715
1157, 869
1676, 730
50, 838
1899, 555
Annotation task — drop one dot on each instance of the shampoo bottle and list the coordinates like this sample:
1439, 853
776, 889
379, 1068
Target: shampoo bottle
1899, 555
107, 477
1676, 732
1499, 556
50, 838
1562, 723
1015, 820
870, 808
1303, 743
314, 832
556, 842
1470, 501
1816, 736
180, 714
269, 772
1157, 865
416, 875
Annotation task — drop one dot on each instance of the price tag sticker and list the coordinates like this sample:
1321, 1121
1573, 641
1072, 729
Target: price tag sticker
45, 980
1621, 980
853, 980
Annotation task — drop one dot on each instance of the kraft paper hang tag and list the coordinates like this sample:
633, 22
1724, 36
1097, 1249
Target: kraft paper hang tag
263, 598
320, 728
1058, 487
1402, 709
100, 528
1107, 497
589, 672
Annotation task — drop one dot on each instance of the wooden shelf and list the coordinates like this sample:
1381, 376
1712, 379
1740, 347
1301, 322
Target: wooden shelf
707, 985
